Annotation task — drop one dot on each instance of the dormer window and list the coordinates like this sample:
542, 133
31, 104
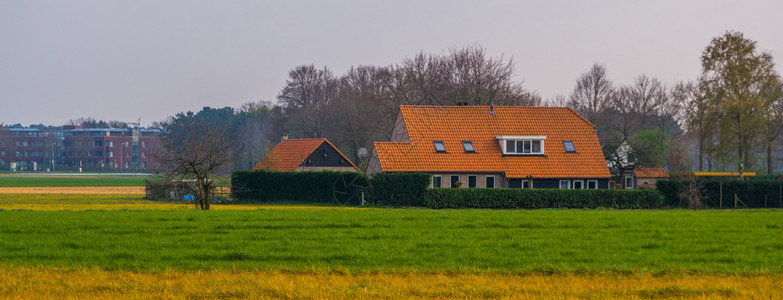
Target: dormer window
468, 145
569, 146
522, 145
439, 147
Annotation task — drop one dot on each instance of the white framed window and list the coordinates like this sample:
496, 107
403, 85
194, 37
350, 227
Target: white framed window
454, 180
628, 182
489, 181
437, 181
109, 144
472, 181
565, 184
109, 154
525, 145
526, 184
592, 184
579, 184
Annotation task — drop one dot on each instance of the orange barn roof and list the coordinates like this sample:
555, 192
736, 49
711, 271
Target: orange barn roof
290, 154
455, 124
650, 173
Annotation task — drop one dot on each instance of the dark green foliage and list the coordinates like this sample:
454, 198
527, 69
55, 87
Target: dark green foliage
542, 198
272, 186
671, 190
754, 193
400, 189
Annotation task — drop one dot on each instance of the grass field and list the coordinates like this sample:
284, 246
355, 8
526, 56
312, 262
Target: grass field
71, 181
390, 240
120, 246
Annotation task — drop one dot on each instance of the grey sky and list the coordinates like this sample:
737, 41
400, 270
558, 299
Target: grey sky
123, 60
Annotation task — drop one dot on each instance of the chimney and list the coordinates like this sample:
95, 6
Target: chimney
283, 137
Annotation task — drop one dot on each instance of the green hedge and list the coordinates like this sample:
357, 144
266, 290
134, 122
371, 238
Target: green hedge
754, 193
542, 198
400, 189
272, 186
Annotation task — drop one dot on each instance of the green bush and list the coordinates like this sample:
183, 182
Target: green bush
754, 193
542, 198
272, 186
400, 189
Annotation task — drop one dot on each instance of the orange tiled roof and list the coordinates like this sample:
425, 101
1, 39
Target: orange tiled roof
454, 124
289, 154
650, 173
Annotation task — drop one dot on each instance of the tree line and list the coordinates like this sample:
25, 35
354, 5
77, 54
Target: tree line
729, 118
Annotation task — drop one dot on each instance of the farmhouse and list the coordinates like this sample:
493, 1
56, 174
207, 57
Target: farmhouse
305, 155
646, 177
494, 146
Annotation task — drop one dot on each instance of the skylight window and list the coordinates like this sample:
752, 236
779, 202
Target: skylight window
468, 145
569, 146
439, 147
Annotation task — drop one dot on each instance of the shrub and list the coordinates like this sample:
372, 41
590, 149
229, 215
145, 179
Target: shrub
273, 186
542, 198
400, 189
753, 193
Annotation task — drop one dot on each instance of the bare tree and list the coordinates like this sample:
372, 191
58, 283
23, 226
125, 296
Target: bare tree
196, 152
592, 92
307, 94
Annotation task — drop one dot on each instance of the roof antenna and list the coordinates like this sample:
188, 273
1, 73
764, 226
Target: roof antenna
492, 108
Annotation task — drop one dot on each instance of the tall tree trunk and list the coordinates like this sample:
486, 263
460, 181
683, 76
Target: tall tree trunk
770, 159
701, 154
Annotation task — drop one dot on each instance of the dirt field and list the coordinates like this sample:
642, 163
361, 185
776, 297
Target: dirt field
74, 190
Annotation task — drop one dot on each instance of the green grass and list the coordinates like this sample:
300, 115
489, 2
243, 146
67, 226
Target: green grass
45, 181
541, 241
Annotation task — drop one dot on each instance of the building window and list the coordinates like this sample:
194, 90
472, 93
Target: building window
109, 144
468, 145
472, 181
437, 181
525, 184
439, 147
569, 146
628, 182
144, 154
144, 144
579, 184
143, 165
127, 164
565, 184
592, 184
490, 182
109, 154
454, 181
527, 145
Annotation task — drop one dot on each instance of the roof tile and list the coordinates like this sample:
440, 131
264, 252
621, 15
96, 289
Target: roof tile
454, 124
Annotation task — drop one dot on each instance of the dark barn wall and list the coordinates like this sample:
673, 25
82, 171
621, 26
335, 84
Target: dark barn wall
326, 156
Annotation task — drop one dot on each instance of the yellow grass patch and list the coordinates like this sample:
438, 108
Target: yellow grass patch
43, 282
127, 190
50, 202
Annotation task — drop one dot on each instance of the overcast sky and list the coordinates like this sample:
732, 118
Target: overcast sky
124, 60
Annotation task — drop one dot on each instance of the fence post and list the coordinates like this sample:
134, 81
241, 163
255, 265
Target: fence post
735, 200
721, 195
